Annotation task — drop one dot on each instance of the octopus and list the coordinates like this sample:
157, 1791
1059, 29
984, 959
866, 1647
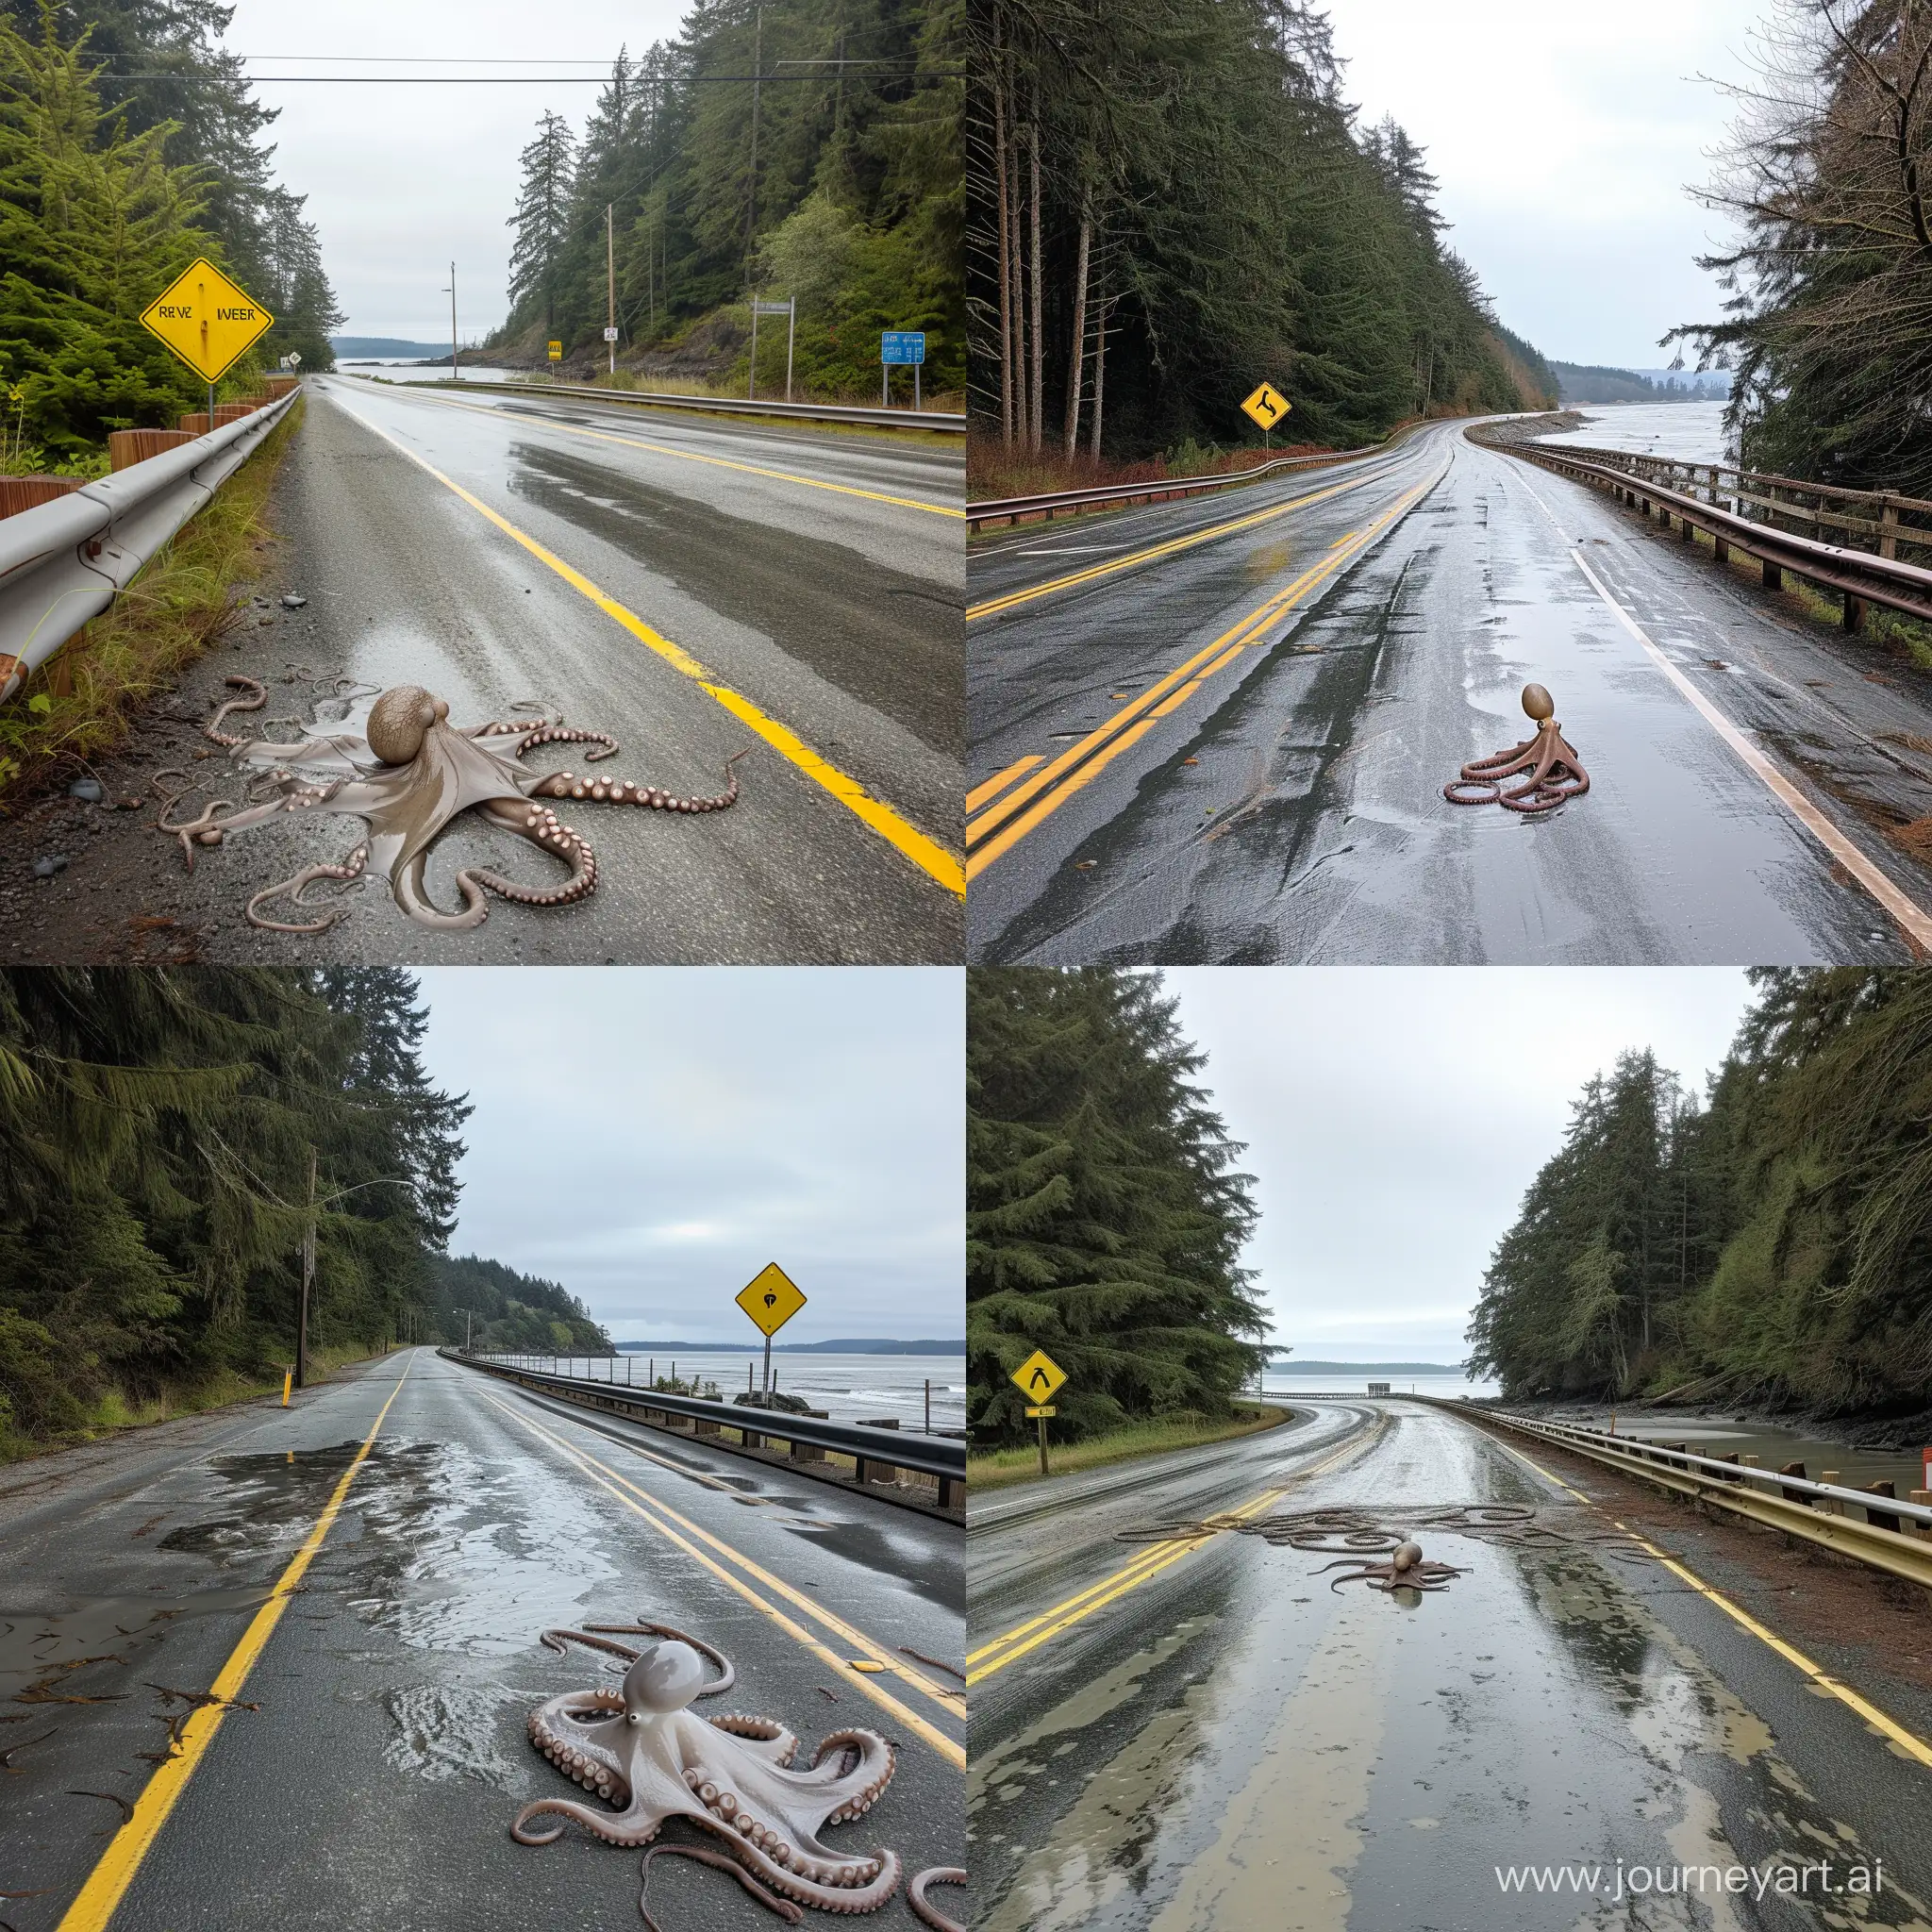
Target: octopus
1555, 772
399, 765
642, 1757
1407, 1569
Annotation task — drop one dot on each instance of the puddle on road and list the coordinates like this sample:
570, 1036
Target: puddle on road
36, 1649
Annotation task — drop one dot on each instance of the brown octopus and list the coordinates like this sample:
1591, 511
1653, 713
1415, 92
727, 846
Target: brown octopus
647, 1759
406, 773
1555, 772
1407, 1569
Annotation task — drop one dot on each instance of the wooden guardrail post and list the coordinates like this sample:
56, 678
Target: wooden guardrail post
1888, 537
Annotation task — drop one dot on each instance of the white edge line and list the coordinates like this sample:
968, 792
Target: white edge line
1912, 918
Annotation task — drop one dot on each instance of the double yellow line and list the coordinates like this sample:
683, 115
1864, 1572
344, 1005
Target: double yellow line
991, 1658
994, 605
1007, 810
767, 1592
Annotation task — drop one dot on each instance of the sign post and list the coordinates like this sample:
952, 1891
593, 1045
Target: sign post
789, 310
771, 1298
208, 320
900, 346
1037, 1379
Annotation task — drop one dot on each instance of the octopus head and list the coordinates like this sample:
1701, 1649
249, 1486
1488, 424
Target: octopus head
665, 1677
400, 719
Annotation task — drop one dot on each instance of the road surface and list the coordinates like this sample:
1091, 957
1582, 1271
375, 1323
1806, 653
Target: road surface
1232, 751
374, 1786
1203, 1734
814, 576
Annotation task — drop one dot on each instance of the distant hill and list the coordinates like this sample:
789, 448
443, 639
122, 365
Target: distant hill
868, 1344
1367, 1368
1588, 382
356, 348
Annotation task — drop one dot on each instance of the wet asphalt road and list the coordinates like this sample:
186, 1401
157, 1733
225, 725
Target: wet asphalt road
1231, 1744
1282, 801
374, 1785
772, 558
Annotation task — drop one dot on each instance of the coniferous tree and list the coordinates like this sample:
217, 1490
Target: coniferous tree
542, 220
1104, 1218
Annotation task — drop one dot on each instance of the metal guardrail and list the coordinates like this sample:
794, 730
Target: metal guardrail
942, 419
1859, 576
871, 1448
1013, 507
1892, 1536
64, 562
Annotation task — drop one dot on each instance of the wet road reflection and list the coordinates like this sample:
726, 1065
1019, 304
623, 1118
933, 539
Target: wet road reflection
1255, 1743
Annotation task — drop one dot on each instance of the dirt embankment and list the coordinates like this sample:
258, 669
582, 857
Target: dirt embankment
1528, 428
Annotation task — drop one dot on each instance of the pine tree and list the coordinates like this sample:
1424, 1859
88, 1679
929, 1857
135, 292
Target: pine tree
1104, 1218
542, 220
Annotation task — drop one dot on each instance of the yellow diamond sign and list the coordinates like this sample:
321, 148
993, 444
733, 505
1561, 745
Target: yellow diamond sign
206, 320
771, 1298
1039, 1375
1267, 406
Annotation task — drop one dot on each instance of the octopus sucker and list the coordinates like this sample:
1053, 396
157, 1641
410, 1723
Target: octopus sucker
406, 773
651, 1758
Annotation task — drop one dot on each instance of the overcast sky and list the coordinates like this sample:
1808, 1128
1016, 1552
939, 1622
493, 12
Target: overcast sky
400, 180
1394, 1117
652, 1137
1564, 136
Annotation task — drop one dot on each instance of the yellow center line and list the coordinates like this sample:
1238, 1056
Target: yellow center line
114, 1872
660, 1516
992, 787
685, 456
929, 855
1015, 1643
1907, 1741
1094, 751
1093, 572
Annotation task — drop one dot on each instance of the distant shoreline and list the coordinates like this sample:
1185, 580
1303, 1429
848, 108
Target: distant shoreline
866, 1346
1282, 1366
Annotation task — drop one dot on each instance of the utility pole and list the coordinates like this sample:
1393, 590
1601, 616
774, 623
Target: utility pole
751, 219
465, 1313
307, 1280
456, 373
610, 282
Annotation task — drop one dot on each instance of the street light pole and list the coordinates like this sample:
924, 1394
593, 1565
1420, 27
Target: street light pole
610, 284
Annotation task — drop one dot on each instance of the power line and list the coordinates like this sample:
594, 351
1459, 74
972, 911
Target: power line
512, 79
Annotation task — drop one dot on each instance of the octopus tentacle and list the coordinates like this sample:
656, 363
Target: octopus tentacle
556, 1639
770, 1900
632, 1826
545, 829
411, 895
213, 729
547, 733
616, 792
832, 1897
916, 1898
292, 889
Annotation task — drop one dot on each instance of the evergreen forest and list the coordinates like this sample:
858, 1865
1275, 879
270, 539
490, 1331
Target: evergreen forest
1170, 201
111, 184
1769, 1241
807, 152
1105, 1212
1825, 178
162, 1133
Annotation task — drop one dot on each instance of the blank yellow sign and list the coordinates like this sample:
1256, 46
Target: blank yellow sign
206, 320
1039, 1375
771, 1298
1267, 406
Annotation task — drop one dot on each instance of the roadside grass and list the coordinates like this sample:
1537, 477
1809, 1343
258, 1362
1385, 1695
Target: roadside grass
83, 703
116, 1410
1002, 1468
